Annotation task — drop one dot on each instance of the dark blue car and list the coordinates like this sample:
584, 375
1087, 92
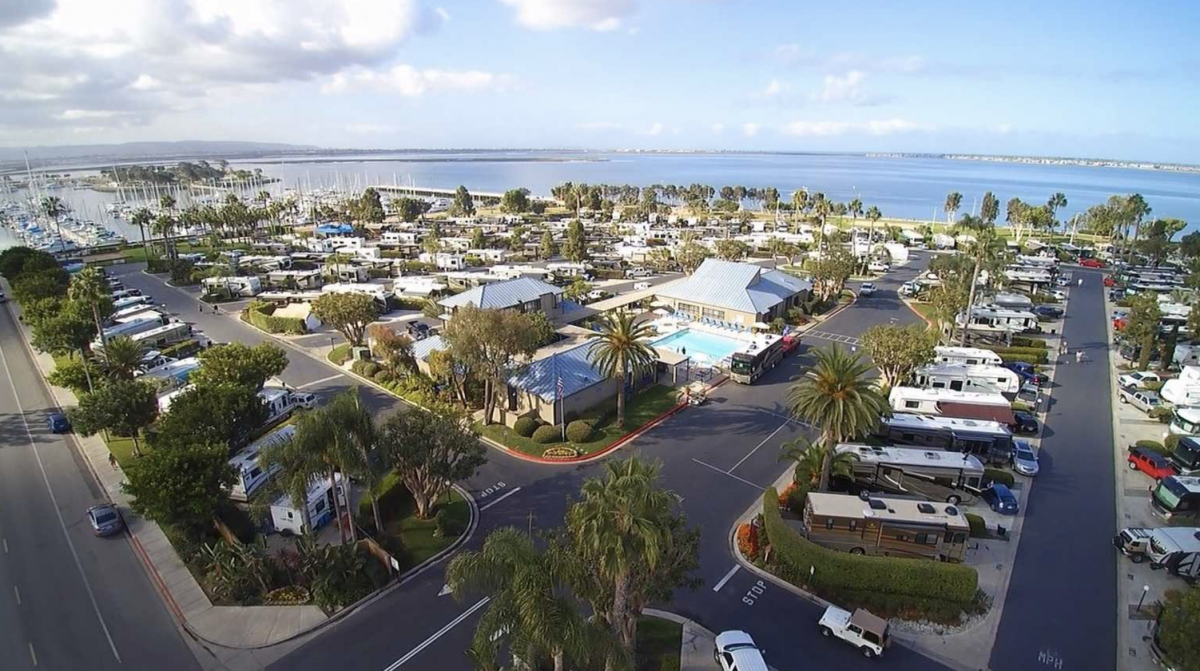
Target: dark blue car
58, 423
1001, 499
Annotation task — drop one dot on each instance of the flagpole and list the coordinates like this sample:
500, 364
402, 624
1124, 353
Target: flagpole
558, 396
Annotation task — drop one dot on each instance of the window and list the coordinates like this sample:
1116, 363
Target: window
927, 539
853, 525
912, 404
829, 524
903, 538
713, 314
320, 507
689, 308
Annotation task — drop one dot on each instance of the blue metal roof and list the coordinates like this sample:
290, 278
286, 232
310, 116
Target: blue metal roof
500, 295
573, 366
744, 287
421, 349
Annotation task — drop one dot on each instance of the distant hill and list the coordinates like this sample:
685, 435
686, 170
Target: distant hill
143, 150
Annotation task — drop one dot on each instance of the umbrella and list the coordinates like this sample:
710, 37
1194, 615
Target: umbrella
661, 312
760, 325
661, 304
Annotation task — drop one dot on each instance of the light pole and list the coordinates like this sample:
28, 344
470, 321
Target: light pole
1145, 591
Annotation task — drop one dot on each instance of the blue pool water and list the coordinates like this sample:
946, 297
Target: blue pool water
706, 348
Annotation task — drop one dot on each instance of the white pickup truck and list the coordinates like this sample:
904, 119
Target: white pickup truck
862, 629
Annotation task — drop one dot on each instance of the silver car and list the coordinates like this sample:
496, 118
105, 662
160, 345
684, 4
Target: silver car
105, 519
1024, 458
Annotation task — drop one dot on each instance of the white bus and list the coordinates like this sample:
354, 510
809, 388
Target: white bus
950, 403
991, 441
933, 475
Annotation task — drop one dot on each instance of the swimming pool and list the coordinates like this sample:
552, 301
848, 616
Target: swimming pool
706, 348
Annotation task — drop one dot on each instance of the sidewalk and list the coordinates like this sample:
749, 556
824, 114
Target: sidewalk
241, 628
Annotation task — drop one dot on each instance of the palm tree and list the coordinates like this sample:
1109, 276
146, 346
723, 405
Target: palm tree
329, 439
168, 222
855, 209
53, 207
90, 287
985, 252
799, 202
873, 215
953, 202
620, 520
837, 396
810, 461
297, 468
527, 602
619, 350
142, 218
348, 413
1057, 199
121, 357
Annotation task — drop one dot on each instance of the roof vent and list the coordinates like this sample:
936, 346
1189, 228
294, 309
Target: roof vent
951, 510
932, 455
926, 508
876, 504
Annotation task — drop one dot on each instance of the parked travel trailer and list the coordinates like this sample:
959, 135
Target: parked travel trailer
279, 401
131, 312
167, 334
990, 441
164, 400
129, 301
172, 374
1183, 391
288, 517
933, 475
964, 377
950, 403
245, 287
1176, 549
967, 355
247, 464
133, 327
888, 527
1012, 301
1001, 320
1185, 422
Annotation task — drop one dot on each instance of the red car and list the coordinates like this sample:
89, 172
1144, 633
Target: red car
1151, 463
1092, 263
1110, 282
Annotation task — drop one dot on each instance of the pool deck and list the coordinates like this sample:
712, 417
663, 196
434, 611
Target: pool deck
745, 341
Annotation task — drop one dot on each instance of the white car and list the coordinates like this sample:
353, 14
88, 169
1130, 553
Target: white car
1059, 294
910, 289
862, 629
878, 267
736, 651
1138, 380
304, 400
641, 286
866, 289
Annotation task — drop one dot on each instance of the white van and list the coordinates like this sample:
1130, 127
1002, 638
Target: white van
641, 286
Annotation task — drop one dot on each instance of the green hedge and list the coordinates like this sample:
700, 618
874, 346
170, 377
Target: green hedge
918, 580
260, 314
997, 475
580, 431
525, 426
1032, 355
1171, 441
978, 526
1155, 446
181, 350
1024, 342
547, 434
364, 368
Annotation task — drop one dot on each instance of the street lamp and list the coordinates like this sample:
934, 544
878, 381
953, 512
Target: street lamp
1145, 591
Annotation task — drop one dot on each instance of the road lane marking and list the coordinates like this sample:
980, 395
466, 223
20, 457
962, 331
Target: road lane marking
764, 442
719, 585
33, 654
728, 474
441, 632
502, 497
57, 511
17, 592
323, 380
785, 417
5, 546
445, 590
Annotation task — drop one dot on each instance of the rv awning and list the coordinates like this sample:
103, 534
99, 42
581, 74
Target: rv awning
993, 413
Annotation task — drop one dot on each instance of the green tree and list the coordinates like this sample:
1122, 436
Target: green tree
90, 287
809, 460
121, 357
575, 246
75, 372
989, 209
492, 345
953, 202
464, 204
578, 289
394, 350
53, 207
1057, 200
898, 350
528, 600
1189, 245
369, 207
1142, 327
986, 254
223, 414
515, 201
830, 272
690, 255
124, 407
478, 241
350, 314
1177, 626
837, 395
543, 329
184, 486
33, 285
949, 297
1157, 242
409, 209
16, 261
732, 250
240, 364
430, 451
69, 329
546, 249
621, 351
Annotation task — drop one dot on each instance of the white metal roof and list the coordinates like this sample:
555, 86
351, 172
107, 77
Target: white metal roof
904, 420
911, 456
950, 395
897, 510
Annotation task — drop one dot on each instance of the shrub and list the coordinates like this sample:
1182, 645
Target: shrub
182, 350
997, 475
366, 369
443, 524
910, 581
747, 541
1153, 386
1032, 355
1025, 342
797, 496
525, 426
978, 526
580, 431
1171, 441
260, 314
547, 434
1162, 414
1155, 446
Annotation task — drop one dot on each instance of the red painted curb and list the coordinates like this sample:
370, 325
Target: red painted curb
155, 577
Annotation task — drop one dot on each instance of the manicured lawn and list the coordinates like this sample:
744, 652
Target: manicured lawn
639, 409
658, 643
339, 354
925, 310
123, 449
410, 539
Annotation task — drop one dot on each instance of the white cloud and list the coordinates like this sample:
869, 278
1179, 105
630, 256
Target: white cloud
1004, 128
370, 129
655, 129
600, 125
633, 31
411, 82
718, 128
773, 88
442, 13
847, 88
598, 15
750, 129
835, 128
75, 115
145, 82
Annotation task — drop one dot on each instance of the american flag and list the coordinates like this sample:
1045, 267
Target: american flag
559, 387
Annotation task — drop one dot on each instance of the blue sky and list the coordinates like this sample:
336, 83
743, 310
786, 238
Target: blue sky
1102, 79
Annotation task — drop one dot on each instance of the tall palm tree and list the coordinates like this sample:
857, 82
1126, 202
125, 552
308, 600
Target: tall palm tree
799, 202
953, 202
985, 253
141, 218
53, 207
349, 414
297, 468
873, 216
809, 459
89, 287
837, 396
120, 357
324, 433
620, 350
527, 601
1057, 199
620, 520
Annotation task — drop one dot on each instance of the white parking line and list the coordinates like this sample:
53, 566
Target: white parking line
58, 511
441, 632
719, 585
728, 474
33, 654
323, 380
764, 442
17, 592
502, 497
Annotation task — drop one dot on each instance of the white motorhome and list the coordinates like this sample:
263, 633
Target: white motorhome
1012, 301
1183, 391
130, 301
280, 403
247, 464
131, 312
288, 517
172, 374
164, 401
167, 334
245, 287
133, 327
950, 403
1000, 320
965, 377
1176, 549
1185, 422
967, 355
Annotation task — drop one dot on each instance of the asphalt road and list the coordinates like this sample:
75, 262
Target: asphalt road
1061, 609
68, 600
